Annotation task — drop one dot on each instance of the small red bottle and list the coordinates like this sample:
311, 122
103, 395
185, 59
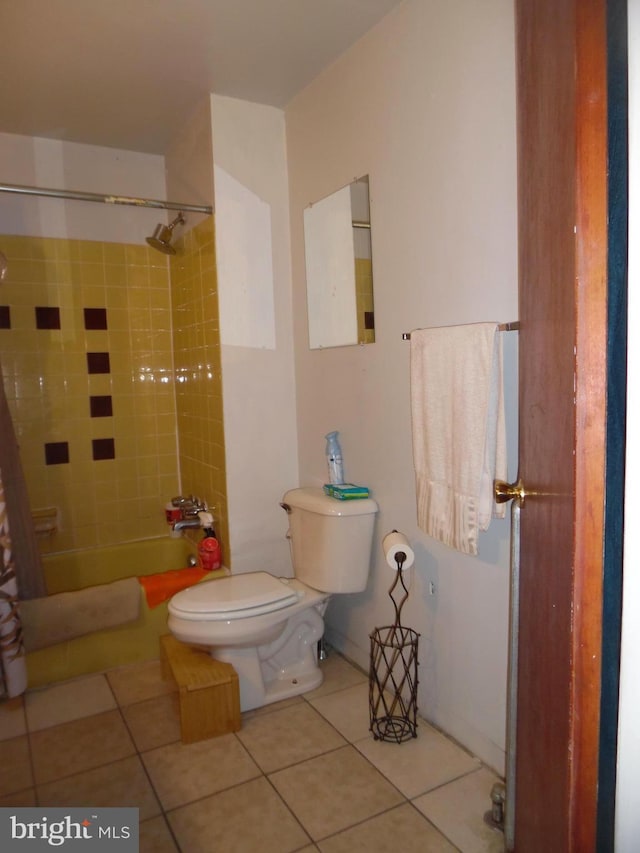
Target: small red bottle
209, 551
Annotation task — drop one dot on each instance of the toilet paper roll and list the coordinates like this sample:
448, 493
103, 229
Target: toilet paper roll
394, 543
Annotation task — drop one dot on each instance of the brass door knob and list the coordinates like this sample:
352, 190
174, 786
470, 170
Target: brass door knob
509, 491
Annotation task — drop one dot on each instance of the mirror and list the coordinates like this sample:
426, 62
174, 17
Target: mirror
337, 241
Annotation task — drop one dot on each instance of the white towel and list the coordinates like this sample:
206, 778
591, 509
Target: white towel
459, 444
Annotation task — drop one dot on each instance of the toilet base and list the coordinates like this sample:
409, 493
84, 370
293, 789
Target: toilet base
286, 667
285, 688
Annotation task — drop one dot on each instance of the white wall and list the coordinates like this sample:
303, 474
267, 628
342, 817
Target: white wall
189, 163
425, 105
628, 784
257, 366
49, 163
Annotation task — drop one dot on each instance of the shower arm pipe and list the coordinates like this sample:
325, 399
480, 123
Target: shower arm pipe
74, 195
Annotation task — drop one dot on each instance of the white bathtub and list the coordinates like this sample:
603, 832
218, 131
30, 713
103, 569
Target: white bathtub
129, 643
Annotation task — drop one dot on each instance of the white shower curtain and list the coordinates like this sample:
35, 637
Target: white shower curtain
13, 668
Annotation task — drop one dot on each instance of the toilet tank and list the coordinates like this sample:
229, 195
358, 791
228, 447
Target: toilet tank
331, 539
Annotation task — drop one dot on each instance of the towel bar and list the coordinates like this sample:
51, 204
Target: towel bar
502, 327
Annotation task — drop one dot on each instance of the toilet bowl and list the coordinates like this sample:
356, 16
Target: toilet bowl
271, 644
267, 627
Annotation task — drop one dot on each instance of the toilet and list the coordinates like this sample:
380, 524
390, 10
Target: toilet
267, 627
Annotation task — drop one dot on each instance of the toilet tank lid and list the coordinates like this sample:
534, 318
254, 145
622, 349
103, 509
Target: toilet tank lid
315, 500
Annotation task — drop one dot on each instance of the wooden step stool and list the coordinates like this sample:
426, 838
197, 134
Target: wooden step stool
209, 691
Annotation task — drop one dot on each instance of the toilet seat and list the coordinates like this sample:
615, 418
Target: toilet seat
233, 597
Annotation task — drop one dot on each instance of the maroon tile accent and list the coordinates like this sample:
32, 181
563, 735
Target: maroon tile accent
368, 320
103, 448
98, 362
101, 406
56, 452
47, 317
95, 318
5, 317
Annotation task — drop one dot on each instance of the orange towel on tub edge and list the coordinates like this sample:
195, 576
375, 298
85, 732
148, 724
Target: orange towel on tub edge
161, 586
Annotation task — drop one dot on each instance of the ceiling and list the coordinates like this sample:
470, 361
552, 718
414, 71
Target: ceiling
126, 73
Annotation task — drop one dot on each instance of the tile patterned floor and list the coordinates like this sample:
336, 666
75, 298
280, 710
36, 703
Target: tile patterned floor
302, 775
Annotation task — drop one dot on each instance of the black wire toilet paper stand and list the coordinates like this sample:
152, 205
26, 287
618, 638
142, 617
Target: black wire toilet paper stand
393, 673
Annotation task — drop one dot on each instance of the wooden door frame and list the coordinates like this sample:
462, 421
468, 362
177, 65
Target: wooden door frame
562, 816
591, 401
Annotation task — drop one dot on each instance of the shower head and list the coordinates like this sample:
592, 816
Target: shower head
161, 237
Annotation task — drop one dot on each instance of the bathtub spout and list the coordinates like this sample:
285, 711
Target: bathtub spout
202, 519
187, 523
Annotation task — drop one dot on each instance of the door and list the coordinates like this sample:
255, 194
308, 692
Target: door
561, 84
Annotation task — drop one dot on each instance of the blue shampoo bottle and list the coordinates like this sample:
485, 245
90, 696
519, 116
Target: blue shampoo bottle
334, 459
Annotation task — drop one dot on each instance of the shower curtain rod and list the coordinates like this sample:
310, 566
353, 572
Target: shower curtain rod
74, 195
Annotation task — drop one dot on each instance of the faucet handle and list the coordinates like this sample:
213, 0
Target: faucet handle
180, 500
189, 506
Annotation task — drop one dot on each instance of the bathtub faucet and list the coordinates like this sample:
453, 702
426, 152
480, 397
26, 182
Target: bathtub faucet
187, 523
189, 506
201, 519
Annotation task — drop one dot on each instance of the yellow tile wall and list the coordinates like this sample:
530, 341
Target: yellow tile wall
364, 298
198, 373
48, 386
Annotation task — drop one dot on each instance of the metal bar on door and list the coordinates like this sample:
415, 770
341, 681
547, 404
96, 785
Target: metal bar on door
512, 679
